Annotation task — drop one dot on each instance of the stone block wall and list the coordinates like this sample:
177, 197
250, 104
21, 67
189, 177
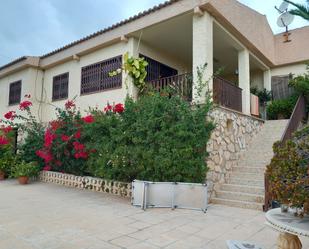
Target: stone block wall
230, 139
85, 182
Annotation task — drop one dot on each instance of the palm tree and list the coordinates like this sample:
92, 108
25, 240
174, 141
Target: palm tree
301, 9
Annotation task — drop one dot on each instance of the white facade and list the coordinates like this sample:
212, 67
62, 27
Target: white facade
208, 40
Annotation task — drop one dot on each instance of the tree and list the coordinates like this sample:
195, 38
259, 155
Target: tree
301, 10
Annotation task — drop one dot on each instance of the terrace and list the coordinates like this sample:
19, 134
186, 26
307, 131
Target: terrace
69, 218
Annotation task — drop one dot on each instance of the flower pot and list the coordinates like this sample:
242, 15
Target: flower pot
2, 175
23, 180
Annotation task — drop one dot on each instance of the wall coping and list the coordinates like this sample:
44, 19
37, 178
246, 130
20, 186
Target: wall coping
239, 113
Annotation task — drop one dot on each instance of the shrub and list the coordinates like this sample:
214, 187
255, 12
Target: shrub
157, 138
63, 149
25, 169
288, 170
29, 127
281, 108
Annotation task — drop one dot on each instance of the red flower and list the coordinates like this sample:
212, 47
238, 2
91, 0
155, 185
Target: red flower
108, 108
46, 156
47, 168
49, 138
55, 125
25, 105
88, 119
82, 154
7, 129
65, 138
4, 140
78, 146
10, 115
69, 104
77, 134
118, 108
58, 163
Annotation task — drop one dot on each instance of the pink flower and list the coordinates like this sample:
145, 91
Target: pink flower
118, 108
4, 140
77, 134
46, 156
69, 104
49, 138
10, 115
88, 119
25, 105
82, 154
78, 146
7, 129
108, 108
47, 168
65, 138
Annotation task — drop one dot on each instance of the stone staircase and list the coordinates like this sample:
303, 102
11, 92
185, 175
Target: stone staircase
245, 187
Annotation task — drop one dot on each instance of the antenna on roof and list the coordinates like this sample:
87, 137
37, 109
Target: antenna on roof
285, 19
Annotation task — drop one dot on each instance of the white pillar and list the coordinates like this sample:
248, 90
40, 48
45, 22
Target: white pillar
267, 80
132, 49
244, 79
202, 52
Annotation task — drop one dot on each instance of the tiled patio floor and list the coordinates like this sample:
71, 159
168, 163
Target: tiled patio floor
44, 216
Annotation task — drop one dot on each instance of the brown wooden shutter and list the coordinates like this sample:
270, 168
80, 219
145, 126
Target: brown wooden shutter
15, 93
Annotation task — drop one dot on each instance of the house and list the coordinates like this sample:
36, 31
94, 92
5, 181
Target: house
175, 38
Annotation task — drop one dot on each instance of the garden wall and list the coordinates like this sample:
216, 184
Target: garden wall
85, 182
231, 137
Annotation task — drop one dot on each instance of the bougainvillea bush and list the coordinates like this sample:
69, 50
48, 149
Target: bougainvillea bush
159, 137
27, 125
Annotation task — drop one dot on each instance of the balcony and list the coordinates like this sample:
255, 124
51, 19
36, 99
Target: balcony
180, 84
225, 93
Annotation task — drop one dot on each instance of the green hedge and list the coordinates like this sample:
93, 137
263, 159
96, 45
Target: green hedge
157, 138
281, 108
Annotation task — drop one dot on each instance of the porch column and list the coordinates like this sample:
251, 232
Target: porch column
202, 52
267, 80
132, 49
244, 79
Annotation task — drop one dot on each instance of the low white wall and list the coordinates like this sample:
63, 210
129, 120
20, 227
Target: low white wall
295, 69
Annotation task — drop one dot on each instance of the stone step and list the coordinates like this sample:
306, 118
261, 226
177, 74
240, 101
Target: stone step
244, 181
243, 188
230, 195
251, 170
247, 176
240, 204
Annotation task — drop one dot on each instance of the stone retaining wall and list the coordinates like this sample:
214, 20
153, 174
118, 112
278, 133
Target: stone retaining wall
85, 182
231, 137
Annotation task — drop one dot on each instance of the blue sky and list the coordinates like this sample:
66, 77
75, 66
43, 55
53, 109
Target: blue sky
32, 27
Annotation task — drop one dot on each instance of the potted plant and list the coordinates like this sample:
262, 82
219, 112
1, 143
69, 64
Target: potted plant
23, 171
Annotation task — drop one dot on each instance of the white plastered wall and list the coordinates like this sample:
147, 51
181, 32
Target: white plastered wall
296, 69
164, 58
31, 84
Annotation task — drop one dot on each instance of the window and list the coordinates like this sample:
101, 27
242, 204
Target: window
156, 70
96, 77
15, 93
60, 86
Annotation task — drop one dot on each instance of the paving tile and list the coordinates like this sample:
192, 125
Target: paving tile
46, 216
